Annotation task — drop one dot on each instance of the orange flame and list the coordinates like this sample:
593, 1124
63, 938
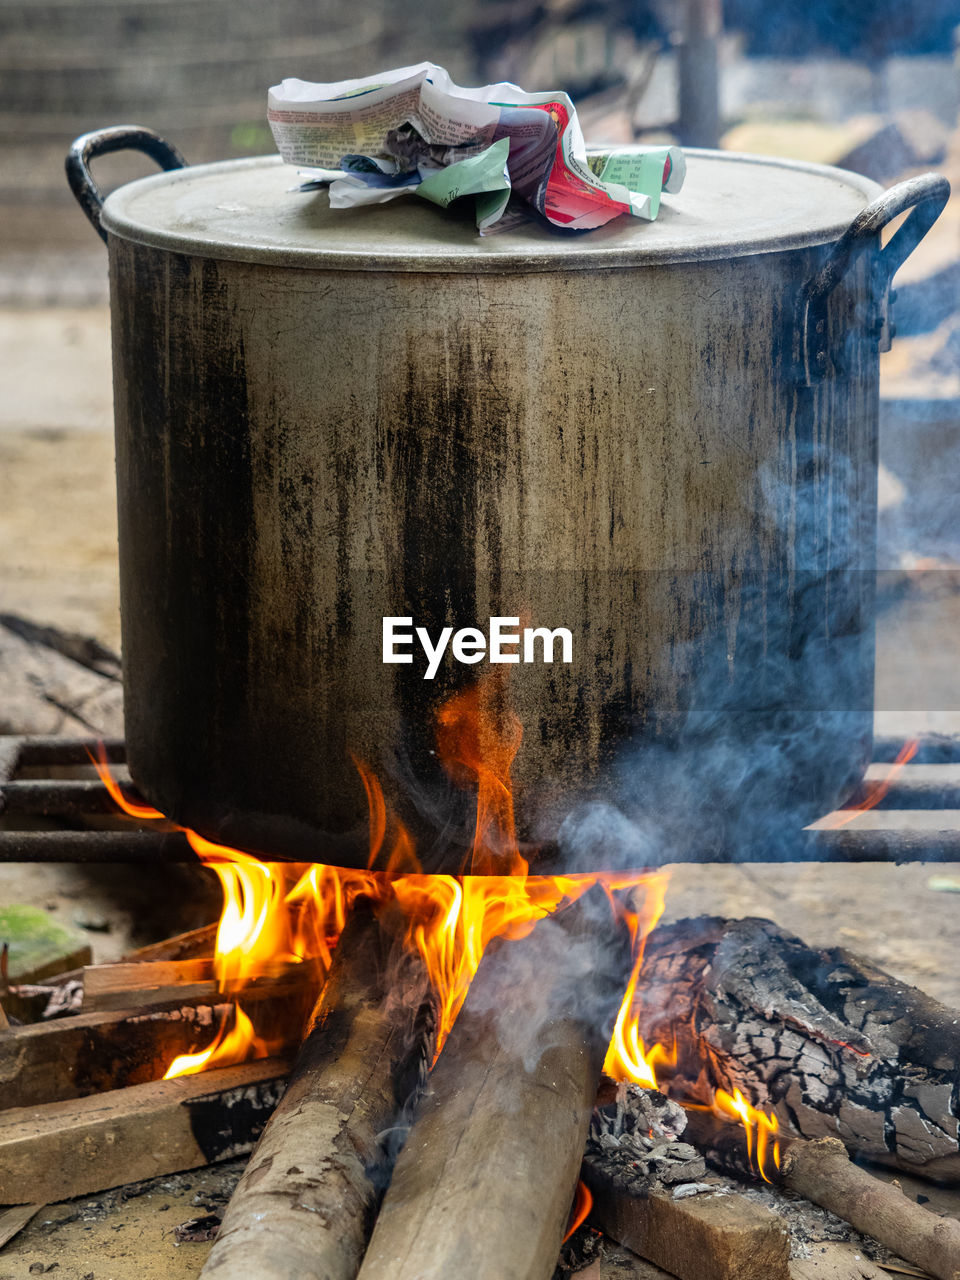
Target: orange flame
143, 812
478, 737
279, 914
877, 791
582, 1204
627, 1057
240, 1044
766, 1127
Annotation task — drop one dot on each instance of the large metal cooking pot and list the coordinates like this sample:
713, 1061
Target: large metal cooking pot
659, 437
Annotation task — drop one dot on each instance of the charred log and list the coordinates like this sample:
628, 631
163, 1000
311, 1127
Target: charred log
835, 1046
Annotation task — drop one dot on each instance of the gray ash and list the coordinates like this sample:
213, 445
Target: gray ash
634, 1141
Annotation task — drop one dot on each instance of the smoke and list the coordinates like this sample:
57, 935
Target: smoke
562, 983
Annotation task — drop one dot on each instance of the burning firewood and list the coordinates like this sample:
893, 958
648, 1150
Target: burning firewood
484, 1183
833, 1045
97, 1052
305, 1203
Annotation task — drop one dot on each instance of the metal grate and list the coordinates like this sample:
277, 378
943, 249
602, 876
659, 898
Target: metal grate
44, 817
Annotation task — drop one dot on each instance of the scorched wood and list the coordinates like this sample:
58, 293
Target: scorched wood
835, 1046
65, 1149
707, 1237
484, 1183
648, 1193
96, 1052
304, 1208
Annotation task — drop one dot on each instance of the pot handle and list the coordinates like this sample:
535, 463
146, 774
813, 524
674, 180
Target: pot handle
119, 137
925, 197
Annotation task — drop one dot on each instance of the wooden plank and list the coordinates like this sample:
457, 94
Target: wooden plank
193, 945
85, 1145
706, 1237
146, 983
14, 1220
95, 1052
109, 987
838, 1261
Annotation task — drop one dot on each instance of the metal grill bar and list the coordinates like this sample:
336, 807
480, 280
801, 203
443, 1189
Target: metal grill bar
915, 819
137, 847
43, 798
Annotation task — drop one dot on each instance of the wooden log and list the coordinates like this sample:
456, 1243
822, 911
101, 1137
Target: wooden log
484, 1183
705, 1237
835, 1046
96, 1052
74, 1148
821, 1171
305, 1204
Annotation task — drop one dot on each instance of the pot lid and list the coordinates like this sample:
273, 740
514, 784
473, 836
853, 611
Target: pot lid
246, 210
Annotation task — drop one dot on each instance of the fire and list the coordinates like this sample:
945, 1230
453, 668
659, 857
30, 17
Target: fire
143, 812
277, 915
627, 1057
240, 1044
478, 737
582, 1204
878, 790
766, 1127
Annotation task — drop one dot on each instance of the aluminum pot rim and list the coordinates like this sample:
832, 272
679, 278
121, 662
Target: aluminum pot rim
625, 243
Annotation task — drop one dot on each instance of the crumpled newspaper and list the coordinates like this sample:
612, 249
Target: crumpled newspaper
413, 131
